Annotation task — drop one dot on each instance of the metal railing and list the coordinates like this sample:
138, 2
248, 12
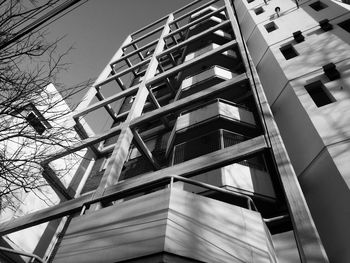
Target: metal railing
168, 180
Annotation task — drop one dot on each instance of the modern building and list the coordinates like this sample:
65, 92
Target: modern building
228, 141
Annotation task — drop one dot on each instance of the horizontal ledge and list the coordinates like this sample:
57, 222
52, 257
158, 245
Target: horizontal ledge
44, 215
193, 11
199, 20
134, 52
106, 101
193, 38
198, 165
195, 166
123, 72
189, 63
84, 144
179, 104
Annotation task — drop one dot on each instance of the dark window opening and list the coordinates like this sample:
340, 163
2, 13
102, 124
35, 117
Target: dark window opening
259, 11
205, 144
270, 27
35, 122
250, 1
319, 94
318, 6
289, 52
345, 25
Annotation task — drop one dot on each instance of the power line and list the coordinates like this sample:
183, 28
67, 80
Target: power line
39, 22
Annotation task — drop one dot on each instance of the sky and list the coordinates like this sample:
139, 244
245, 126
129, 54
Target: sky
97, 28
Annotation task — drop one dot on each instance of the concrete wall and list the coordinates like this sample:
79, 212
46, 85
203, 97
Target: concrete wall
316, 138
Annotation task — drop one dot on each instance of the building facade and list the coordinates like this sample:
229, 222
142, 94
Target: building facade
227, 141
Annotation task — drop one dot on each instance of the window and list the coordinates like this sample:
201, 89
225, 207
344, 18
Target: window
318, 6
259, 10
35, 122
319, 94
250, 1
345, 25
270, 27
289, 52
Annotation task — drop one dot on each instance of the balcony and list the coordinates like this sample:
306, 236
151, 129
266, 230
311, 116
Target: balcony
229, 59
210, 22
203, 80
219, 37
216, 114
209, 47
171, 222
247, 177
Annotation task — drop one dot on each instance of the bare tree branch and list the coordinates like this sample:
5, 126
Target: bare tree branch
27, 67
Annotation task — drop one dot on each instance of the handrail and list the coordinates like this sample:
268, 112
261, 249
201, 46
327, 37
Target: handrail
32, 256
250, 202
75, 205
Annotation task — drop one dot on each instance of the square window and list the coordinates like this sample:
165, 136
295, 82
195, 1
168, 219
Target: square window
345, 25
289, 52
318, 6
259, 10
270, 27
35, 122
319, 93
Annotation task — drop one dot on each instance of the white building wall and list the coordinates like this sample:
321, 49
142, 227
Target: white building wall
316, 138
